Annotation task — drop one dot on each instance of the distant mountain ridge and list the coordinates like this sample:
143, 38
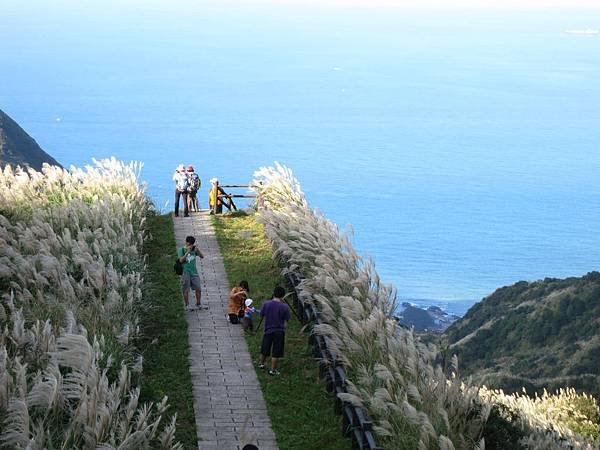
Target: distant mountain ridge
544, 334
18, 148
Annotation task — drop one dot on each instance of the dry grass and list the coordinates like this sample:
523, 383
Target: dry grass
71, 274
565, 419
393, 375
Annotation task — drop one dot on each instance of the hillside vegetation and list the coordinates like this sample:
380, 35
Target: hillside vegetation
17, 148
71, 295
300, 409
391, 374
544, 334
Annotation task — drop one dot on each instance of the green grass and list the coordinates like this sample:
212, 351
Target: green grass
164, 333
300, 409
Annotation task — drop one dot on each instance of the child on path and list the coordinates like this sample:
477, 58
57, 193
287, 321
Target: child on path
249, 311
190, 278
275, 314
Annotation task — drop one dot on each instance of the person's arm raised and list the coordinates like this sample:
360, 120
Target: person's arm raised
183, 256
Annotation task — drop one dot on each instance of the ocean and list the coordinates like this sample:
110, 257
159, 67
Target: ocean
463, 146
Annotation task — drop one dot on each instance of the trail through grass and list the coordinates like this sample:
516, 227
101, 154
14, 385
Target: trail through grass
301, 411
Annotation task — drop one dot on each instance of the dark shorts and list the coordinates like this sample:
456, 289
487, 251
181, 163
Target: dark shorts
275, 342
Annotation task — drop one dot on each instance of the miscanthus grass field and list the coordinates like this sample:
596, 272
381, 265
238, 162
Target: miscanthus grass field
71, 284
413, 402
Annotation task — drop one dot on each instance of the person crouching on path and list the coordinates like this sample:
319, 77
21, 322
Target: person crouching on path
181, 190
189, 278
275, 314
237, 296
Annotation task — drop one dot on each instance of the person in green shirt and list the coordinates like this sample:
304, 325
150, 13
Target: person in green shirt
189, 278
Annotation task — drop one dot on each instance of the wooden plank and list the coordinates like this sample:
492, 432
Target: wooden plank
237, 196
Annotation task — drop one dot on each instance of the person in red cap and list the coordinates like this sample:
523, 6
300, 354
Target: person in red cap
194, 184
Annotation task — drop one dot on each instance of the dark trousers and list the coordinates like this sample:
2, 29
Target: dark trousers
178, 193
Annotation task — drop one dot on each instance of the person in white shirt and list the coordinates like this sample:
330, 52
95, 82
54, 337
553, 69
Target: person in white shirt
181, 190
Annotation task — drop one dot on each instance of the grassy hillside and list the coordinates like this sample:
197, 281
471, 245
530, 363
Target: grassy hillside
300, 409
391, 374
544, 334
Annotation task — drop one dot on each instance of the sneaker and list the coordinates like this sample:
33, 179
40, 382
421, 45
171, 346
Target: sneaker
189, 308
261, 366
201, 307
274, 372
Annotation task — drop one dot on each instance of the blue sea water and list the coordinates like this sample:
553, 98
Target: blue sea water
462, 145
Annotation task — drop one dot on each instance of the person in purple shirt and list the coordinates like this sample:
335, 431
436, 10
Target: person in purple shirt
275, 313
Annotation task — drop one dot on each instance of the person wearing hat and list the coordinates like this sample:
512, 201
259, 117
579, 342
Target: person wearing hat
181, 190
194, 184
249, 311
213, 196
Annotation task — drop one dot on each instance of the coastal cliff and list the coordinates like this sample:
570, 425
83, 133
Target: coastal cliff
17, 148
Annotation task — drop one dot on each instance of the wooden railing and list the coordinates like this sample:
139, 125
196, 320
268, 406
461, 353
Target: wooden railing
227, 199
354, 422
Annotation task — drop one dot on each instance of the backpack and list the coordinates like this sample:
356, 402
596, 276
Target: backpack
194, 181
182, 182
178, 267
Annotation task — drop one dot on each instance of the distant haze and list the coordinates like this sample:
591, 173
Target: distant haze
116, 5
442, 4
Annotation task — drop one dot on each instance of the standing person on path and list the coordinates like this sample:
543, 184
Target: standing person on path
275, 313
181, 190
194, 185
190, 278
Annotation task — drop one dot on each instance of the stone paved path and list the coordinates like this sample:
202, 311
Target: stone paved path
226, 389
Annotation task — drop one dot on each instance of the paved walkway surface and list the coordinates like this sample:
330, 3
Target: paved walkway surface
226, 389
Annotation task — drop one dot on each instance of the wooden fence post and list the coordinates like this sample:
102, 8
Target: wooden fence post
216, 187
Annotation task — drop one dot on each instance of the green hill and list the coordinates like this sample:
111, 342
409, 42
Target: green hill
18, 148
544, 334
